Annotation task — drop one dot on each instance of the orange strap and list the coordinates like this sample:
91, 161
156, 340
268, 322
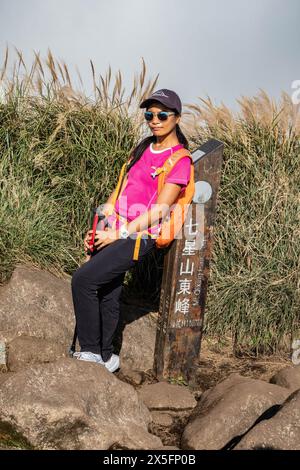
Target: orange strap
163, 171
137, 247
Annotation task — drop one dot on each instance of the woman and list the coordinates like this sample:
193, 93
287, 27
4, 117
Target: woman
97, 284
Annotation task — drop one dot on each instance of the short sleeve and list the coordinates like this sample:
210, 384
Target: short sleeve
181, 172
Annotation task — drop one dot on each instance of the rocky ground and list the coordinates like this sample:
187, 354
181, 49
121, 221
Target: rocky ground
216, 363
49, 401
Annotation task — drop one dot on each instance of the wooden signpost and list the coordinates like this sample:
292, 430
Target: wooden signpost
186, 271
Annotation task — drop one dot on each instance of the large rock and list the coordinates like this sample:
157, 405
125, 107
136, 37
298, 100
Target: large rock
25, 350
138, 344
133, 377
4, 376
162, 419
282, 432
164, 396
36, 303
289, 377
229, 410
71, 404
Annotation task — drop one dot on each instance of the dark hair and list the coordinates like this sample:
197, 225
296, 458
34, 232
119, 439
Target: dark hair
138, 151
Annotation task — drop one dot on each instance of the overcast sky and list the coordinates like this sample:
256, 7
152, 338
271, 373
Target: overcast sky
219, 48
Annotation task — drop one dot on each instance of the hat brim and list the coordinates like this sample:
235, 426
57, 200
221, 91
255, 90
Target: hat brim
147, 102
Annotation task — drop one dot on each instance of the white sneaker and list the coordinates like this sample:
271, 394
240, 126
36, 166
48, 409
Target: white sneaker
88, 356
113, 363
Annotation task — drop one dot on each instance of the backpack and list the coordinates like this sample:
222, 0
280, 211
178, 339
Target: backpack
173, 223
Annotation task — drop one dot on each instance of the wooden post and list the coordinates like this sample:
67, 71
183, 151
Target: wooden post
186, 271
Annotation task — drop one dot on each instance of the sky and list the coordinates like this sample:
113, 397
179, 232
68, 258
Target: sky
199, 48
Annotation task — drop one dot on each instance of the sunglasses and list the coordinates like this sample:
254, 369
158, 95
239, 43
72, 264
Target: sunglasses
162, 115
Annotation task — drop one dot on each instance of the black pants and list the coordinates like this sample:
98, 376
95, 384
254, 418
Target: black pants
96, 288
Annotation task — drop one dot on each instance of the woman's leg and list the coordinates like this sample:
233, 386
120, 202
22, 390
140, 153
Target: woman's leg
104, 269
109, 297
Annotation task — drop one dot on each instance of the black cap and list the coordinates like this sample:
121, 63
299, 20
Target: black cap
167, 97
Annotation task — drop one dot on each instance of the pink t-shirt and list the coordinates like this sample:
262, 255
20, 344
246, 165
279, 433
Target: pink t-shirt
141, 188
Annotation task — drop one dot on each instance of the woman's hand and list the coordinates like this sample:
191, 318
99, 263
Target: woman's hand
86, 240
105, 237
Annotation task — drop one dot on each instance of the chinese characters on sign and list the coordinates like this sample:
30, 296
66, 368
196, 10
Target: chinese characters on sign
181, 317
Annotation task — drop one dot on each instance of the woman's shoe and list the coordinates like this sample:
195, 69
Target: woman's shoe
113, 363
88, 356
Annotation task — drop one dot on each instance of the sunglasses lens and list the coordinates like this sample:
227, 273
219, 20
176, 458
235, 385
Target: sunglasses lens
162, 116
148, 115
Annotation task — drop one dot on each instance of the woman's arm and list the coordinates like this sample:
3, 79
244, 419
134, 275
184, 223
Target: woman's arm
107, 206
159, 210
165, 200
